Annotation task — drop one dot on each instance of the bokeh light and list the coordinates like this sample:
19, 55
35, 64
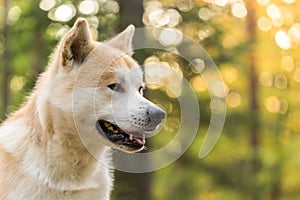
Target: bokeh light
155, 15
275, 14
272, 104
160, 74
199, 84
112, 7
263, 2
283, 40
287, 63
205, 13
275, 105
199, 64
280, 81
88, 7
289, 1
239, 10
175, 17
14, 14
284, 106
17, 83
296, 75
47, 5
266, 79
170, 36
185, 5
222, 27
264, 23
229, 74
221, 2
233, 99
65, 12
294, 32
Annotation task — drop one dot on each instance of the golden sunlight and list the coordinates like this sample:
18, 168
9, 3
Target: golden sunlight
287, 63
205, 14
275, 14
14, 14
283, 40
17, 83
264, 23
163, 75
272, 104
199, 84
88, 7
294, 32
221, 2
263, 2
233, 99
297, 75
280, 81
199, 64
65, 12
239, 10
289, 1
266, 79
170, 36
47, 5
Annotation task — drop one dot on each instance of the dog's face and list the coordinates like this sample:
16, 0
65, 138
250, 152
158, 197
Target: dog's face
110, 82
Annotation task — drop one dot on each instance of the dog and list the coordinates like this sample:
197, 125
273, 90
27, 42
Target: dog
91, 92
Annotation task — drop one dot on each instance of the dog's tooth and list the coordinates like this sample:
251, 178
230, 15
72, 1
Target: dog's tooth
116, 131
131, 137
110, 128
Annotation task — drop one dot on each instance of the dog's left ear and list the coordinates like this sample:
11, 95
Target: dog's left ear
76, 44
123, 41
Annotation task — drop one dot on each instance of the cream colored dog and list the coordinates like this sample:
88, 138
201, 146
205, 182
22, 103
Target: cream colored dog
91, 90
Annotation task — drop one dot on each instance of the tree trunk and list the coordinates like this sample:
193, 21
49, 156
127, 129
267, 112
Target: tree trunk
253, 80
254, 105
131, 12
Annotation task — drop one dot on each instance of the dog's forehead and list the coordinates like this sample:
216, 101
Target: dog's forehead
127, 70
133, 75
111, 57
122, 69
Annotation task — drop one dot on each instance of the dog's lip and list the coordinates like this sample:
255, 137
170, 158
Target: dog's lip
119, 137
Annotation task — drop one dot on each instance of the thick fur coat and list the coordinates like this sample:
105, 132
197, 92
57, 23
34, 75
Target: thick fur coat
42, 155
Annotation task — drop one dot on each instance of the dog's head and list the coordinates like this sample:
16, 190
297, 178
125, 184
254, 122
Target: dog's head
110, 84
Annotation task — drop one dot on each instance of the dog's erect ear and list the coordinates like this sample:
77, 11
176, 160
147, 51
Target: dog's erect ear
123, 41
77, 43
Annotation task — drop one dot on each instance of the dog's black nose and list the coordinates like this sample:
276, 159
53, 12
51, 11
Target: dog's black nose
156, 114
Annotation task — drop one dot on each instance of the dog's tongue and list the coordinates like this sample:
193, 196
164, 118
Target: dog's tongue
140, 141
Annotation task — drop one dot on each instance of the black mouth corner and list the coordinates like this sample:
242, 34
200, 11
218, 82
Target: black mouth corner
120, 138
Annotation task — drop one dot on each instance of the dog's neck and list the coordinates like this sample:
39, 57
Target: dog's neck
51, 140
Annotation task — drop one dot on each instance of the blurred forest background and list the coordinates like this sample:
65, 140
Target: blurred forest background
255, 45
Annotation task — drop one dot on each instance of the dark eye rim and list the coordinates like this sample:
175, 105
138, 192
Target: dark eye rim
115, 87
141, 89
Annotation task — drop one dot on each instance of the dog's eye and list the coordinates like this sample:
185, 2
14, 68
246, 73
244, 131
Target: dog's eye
114, 86
141, 89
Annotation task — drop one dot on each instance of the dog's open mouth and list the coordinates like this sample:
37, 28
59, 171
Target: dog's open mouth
120, 138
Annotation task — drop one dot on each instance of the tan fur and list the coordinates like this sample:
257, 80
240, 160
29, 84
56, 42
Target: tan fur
41, 154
